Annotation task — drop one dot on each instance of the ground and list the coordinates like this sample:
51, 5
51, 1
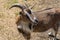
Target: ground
8, 27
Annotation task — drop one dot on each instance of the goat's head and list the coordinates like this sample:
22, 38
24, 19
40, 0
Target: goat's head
26, 12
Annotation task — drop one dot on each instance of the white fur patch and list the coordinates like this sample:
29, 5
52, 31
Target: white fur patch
34, 18
19, 26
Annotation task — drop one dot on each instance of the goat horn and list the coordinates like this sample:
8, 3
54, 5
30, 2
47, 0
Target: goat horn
31, 7
26, 4
42, 10
18, 5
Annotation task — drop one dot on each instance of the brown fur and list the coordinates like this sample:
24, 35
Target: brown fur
48, 19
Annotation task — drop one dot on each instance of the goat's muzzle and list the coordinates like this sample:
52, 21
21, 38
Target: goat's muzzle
35, 20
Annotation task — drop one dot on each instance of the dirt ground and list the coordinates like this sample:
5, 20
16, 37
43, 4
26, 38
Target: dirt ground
8, 28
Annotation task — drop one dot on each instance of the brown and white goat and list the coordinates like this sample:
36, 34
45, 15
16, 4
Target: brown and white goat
46, 19
25, 19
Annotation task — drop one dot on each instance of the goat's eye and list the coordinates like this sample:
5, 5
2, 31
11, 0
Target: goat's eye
20, 13
29, 11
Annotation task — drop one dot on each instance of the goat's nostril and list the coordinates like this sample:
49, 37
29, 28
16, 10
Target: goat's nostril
36, 21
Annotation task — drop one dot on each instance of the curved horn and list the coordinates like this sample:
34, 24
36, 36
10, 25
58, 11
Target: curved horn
42, 10
18, 5
26, 4
32, 6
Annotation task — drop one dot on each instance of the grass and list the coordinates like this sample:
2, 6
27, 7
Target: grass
9, 3
2, 15
1, 27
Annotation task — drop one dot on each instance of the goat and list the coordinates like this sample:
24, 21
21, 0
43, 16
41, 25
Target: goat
46, 19
25, 19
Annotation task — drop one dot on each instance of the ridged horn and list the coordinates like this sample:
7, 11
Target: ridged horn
31, 7
18, 5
